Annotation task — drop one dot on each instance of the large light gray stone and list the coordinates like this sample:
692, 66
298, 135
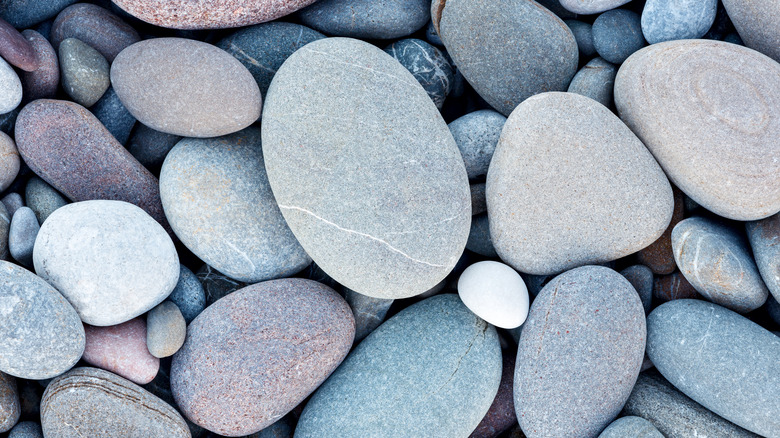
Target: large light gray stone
758, 24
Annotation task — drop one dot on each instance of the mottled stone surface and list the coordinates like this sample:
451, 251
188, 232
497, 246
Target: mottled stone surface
583, 33
764, 237
381, 19
641, 277
631, 427
488, 55
617, 34
658, 256
501, 415
427, 64
9, 161
10, 88
150, 147
96, 27
587, 7
536, 221
369, 312
478, 201
9, 403
26, 429
185, 87
364, 169
21, 235
165, 330
438, 385
114, 116
667, 20
98, 404
111, 260
479, 240
295, 332
476, 135
42, 198
15, 49
689, 102
595, 80
69, 148
25, 13
673, 287
217, 198
188, 295
122, 350
757, 23
585, 334
43, 82
84, 72
716, 260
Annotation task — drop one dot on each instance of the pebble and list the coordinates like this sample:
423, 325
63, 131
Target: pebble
575, 372
717, 261
641, 277
67, 146
10, 88
21, 235
427, 64
94, 26
215, 284
97, 403
631, 427
26, 429
536, 221
583, 34
193, 90
387, 382
5, 226
150, 147
432, 36
387, 219
369, 312
479, 240
44, 81
84, 72
382, 20
42, 198
15, 48
764, 236
478, 201
476, 135
110, 259
617, 34
494, 292
673, 287
757, 24
501, 415
490, 64
698, 98
10, 410
26, 13
667, 20
188, 295
595, 80
295, 332
658, 256
9, 161
122, 350
588, 7
12, 202
165, 330
114, 116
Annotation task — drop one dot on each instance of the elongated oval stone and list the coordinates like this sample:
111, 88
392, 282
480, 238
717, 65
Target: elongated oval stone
384, 19
95, 26
364, 169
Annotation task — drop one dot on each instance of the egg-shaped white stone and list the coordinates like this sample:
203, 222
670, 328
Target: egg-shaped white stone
495, 292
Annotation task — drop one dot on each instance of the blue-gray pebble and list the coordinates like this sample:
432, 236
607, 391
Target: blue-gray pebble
377, 19
369, 312
479, 237
641, 277
21, 235
764, 237
25, 13
432, 36
595, 80
114, 116
42, 198
477, 135
150, 147
188, 294
631, 427
667, 20
583, 33
5, 225
617, 34
427, 64
26, 429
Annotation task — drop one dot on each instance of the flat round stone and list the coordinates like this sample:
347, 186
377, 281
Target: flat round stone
476, 135
494, 292
122, 350
667, 20
15, 49
617, 34
595, 80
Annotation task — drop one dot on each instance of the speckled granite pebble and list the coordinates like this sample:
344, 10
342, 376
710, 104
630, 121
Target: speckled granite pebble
631, 427
84, 72
15, 48
10, 409
43, 82
150, 147
94, 26
427, 64
617, 34
165, 330
583, 33
42, 198
188, 295
122, 350
379, 19
114, 116
9, 161
595, 80
588, 7
757, 23
369, 312
667, 20
764, 237
10, 88
476, 135
21, 235
641, 277
26, 429
501, 415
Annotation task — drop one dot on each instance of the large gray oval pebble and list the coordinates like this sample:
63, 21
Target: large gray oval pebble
377, 19
764, 237
757, 23
631, 427
477, 134
364, 169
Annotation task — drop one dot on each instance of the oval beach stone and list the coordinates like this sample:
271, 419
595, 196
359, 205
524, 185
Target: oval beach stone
122, 350
595, 80
26, 13
667, 20
166, 330
84, 72
757, 23
42, 198
9, 161
631, 427
15, 48
494, 292
764, 236
43, 82
588, 7
378, 19
21, 235
94, 26
477, 134
428, 65
188, 295
10, 88
617, 34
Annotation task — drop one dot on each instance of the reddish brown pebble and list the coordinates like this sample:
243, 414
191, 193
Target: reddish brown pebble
501, 415
121, 349
673, 287
95, 26
15, 49
42, 82
658, 256
69, 148
252, 356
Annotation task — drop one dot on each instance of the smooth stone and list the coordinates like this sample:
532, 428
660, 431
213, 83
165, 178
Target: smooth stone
15, 48
150, 147
10, 163
501, 415
165, 330
114, 116
488, 55
382, 19
595, 80
41, 336
99, 404
69, 148
757, 23
588, 7
188, 295
494, 292
110, 259
562, 354
95, 26
263, 48
213, 14
764, 237
215, 284
617, 34
641, 277
347, 135
583, 33
25, 13
294, 332
720, 359
717, 261
387, 382
44, 81
478, 201
673, 287
674, 414
194, 89
10, 409
427, 64
5, 226
659, 256
26, 429
21, 235
12, 202
369, 312
479, 240
122, 350
432, 36
84, 72
612, 179
10, 88
476, 135
689, 103
667, 20
42, 198
631, 427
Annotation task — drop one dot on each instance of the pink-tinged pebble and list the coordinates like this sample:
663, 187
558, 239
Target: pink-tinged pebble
122, 350
44, 81
15, 49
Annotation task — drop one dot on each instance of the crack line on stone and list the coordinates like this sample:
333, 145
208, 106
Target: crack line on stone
243, 254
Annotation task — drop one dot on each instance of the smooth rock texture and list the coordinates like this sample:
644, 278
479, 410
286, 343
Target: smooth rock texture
611, 179
295, 332
10, 410
427, 64
21, 235
673, 287
25, 13
114, 116
764, 237
15, 49
42, 198
217, 198
641, 277
757, 23
667, 20
437, 385
110, 259
658, 256
595, 80
617, 34
720, 359
501, 415
9, 161
476, 135
150, 147
122, 350
166, 330
494, 292
84, 72
588, 7
488, 55
631, 427
10, 88
717, 261
364, 169
185, 87
379, 19
42, 82
96, 403
583, 33
188, 295
94, 26
369, 312
26, 429
698, 99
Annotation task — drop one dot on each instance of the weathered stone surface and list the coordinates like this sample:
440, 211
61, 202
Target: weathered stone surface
595, 80
667, 20
9, 161
188, 295
369, 312
15, 49
588, 7
641, 277
122, 350
25, 13
166, 330
10, 410
383, 19
427, 64
10, 88
757, 24
658, 256
42, 198
94, 26
764, 237
631, 427
617, 34
21, 235
476, 135
42, 82
501, 415
84, 72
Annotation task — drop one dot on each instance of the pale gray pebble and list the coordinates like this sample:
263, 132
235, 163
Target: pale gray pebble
583, 33
12, 201
479, 237
42, 198
595, 80
166, 330
26, 429
588, 7
477, 134
378, 19
5, 225
216, 284
666, 20
21, 236
10, 161
764, 237
84, 72
10, 88
114, 116
427, 64
617, 34
188, 294
631, 427
478, 201
369, 312
150, 147
641, 277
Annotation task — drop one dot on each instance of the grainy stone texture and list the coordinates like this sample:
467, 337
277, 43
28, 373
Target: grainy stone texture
478, 201
217, 198
69, 148
479, 240
84, 72
122, 350
588, 7
188, 295
5, 226
438, 385
165, 330
659, 256
488, 55
295, 332
583, 33
720, 359
10, 410
25, 13
96, 27
21, 235
427, 64
150, 147
369, 312
641, 277
10, 88
42, 198
689, 102
41, 336
364, 169
185, 87
579, 354
717, 261
9, 161
758, 24
98, 404
476, 135
764, 237
673, 287
380, 19
15, 48
494, 292
611, 179
595, 80
108, 258
501, 415
114, 116
617, 34
43, 82
667, 20
631, 427
26, 429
